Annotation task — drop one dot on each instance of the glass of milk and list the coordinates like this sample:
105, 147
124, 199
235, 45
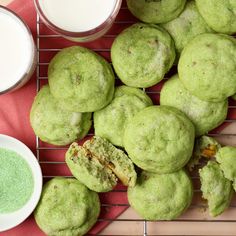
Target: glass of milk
78, 20
17, 51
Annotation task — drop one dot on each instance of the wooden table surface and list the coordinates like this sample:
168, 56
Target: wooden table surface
176, 228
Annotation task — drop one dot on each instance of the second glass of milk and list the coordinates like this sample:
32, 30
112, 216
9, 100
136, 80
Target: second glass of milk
17, 52
78, 20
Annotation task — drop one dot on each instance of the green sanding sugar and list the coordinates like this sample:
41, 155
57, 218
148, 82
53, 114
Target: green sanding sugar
16, 181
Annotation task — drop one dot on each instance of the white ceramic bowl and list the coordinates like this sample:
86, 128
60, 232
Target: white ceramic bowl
10, 220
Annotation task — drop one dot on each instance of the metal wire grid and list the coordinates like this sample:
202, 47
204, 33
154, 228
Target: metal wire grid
40, 148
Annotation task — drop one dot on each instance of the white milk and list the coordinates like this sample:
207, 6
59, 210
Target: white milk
16, 50
77, 15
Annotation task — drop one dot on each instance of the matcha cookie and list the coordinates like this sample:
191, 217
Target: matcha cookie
204, 115
226, 156
205, 147
161, 197
142, 54
186, 26
67, 208
207, 67
97, 164
81, 80
220, 15
153, 11
111, 121
216, 189
159, 139
53, 123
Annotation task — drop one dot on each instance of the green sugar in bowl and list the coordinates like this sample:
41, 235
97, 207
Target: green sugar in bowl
20, 182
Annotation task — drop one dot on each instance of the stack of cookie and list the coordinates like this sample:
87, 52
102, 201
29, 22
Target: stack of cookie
132, 133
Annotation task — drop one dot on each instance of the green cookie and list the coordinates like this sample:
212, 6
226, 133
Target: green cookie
186, 26
226, 156
161, 197
111, 121
142, 54
204, 115
67, 208
81, 80
220, 15
216, 189
54, 124
159, 139
153, 11
98, 164
207, 67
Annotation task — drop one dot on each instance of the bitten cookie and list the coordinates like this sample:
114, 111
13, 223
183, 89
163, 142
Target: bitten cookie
161, 197
142, 54
207, 67
81, 80
226, 156
159, 139
67, 208
152, 11
111, 121
53, 123
98, 164
205, 147
216, 189
204, 115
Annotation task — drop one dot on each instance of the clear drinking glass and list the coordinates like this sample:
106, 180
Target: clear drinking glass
83, 36
29, 68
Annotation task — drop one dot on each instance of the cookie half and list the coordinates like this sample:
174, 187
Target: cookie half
226, 156
98, 165
216, 189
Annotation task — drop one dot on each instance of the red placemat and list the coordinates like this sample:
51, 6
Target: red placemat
15, 108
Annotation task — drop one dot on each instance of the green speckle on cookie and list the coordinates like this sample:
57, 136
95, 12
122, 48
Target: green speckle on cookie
216, 189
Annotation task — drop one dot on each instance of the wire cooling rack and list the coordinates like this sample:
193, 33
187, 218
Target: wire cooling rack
196, 220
